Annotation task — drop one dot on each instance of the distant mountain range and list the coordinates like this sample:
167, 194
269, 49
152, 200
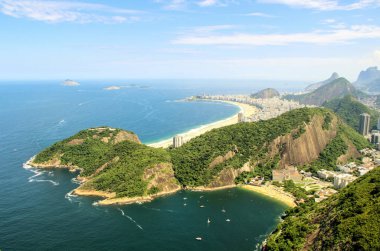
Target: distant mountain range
337, 88
266, 93
369, 80
315, 86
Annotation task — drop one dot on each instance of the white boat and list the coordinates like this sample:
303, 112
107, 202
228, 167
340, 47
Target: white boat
201, 206
228, 220
198, 238
223, 210
208, 220
185, 204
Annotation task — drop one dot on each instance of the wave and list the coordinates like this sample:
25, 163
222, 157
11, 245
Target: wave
38, 173
76, 181
130, 218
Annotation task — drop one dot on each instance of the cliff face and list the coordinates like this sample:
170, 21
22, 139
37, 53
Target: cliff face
307, 147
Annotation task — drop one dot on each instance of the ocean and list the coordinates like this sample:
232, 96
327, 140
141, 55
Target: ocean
37, 211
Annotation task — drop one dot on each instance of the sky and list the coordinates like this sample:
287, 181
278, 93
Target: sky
188, 39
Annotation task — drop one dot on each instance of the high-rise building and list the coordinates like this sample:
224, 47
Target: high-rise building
378, 124
375, 138
365, 120
177, 141
241, 117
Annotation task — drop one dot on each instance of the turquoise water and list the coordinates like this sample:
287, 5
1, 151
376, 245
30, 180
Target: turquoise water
36, 212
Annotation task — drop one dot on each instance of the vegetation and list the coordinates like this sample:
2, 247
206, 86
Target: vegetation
349, 220
338, 88
113, 166
337, 147
249, 141
349, 109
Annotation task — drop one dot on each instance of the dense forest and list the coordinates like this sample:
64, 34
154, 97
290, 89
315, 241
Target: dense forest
249, 141
349, 220
112, 165
349, 109
114, 160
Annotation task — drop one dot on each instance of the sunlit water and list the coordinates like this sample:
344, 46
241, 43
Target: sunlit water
37, 211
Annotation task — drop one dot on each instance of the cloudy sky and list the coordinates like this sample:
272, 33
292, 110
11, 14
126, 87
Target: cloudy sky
235, 39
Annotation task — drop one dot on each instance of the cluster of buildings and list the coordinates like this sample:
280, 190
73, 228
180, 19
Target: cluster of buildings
364, 129
267, 108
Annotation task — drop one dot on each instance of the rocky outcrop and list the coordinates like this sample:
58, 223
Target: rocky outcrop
227, 176
307, 147
161, 177
220, 159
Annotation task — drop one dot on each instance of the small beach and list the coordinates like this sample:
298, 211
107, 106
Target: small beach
273, 192
247, 110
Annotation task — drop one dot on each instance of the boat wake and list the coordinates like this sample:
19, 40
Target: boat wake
130, 218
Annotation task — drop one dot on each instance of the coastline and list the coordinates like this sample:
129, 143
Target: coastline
246, 109
110, 198
272, 192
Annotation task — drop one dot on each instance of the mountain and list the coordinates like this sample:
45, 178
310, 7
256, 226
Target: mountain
114, 164
336, 89
369, 80
315, 86
348, 220
349, 109
297, 138
266, 93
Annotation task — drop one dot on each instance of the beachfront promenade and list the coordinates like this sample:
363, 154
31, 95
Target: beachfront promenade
250, 110
245, 109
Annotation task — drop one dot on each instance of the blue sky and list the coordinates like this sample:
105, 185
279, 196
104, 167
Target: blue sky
235, 39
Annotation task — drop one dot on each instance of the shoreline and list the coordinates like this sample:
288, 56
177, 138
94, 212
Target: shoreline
272, 192
109, 198
246, 109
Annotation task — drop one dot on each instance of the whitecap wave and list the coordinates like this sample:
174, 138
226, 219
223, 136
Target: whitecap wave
130, 218
38, 173
75, 181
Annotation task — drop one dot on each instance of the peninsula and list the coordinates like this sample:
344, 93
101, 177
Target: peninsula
113, 163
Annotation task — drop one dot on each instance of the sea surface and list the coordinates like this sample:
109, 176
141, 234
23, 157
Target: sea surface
37, 211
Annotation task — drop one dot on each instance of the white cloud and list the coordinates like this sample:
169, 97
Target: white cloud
325, 5
66, 11
206, 3
173, 4
376, 53
259, 14
350, 34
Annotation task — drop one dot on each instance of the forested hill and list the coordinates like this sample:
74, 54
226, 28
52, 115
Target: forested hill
349, 220
349, 109
336, 89
112, 161
302, 137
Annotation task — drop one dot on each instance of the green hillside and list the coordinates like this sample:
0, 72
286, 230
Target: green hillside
349, 220
250, 142
349, 109
113, 160
266, 93
335, 89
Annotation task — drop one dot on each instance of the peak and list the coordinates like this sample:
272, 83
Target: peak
334, 75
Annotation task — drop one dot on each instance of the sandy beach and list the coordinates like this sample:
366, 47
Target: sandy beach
273, 192
247, 110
